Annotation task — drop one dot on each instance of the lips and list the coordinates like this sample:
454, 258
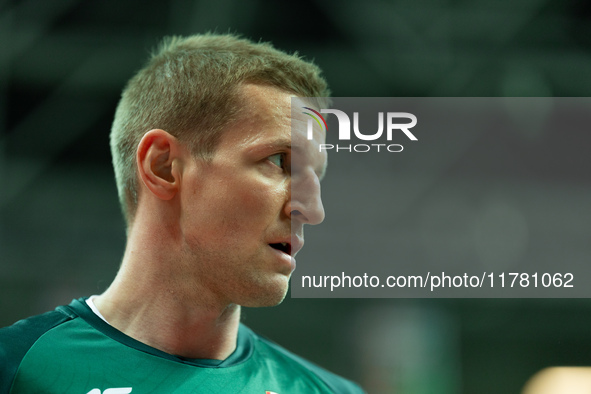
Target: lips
290, 246
282, 246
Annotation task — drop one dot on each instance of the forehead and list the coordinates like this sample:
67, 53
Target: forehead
267, 119
264, 114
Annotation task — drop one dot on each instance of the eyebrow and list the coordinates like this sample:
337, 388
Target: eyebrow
269, 145
279, 143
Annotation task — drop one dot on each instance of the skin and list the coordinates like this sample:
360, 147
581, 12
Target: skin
199, 246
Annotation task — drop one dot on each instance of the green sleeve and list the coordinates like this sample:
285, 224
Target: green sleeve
16, 340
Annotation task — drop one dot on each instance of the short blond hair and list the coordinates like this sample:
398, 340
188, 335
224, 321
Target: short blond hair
189, 88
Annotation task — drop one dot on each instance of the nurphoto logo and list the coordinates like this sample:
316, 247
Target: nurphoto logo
393, 125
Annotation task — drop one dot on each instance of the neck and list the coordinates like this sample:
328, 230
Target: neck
191, 333
148, 303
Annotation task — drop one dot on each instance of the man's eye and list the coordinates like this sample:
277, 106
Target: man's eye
277, 159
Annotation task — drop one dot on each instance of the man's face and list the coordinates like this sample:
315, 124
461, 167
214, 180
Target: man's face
238, 212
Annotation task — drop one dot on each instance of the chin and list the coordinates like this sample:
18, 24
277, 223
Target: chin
270, 295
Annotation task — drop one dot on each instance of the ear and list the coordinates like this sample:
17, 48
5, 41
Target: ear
159, 157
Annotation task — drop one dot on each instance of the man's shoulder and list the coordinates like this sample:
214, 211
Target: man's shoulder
298, 365
17, 339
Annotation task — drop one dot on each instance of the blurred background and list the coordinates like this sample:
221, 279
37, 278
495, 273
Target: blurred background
63, 65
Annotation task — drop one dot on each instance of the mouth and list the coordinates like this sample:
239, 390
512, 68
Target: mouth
284, 247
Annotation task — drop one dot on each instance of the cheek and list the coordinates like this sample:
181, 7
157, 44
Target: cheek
256, 192
260, 197
254, 209
232, 205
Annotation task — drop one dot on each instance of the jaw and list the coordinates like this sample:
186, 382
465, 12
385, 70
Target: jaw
272, 293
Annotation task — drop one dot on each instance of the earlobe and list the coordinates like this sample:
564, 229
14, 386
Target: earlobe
158, 157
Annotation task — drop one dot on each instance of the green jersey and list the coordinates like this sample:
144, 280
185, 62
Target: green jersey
72, 350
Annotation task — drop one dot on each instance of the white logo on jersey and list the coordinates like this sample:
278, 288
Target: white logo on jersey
119, 390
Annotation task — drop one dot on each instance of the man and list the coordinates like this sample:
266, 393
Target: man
215, 190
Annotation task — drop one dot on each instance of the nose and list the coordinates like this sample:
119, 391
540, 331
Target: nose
305, 204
